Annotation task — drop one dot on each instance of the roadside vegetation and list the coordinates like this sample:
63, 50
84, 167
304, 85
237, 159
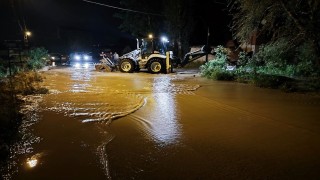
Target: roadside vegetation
271, 67
287, 34
17, 80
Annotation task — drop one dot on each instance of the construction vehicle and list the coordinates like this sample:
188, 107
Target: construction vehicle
105, 64
153, 55
192, 56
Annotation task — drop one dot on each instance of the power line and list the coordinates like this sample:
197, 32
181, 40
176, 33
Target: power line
16, 15
123, 9
218, 2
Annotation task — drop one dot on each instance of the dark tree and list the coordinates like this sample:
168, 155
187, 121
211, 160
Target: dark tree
296, 20
145, 18
174, 18
180, 23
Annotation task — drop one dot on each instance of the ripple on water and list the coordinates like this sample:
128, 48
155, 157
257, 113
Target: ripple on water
175, 86
93, 107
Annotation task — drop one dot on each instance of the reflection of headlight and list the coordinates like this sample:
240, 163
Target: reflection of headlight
77, 57
86, 57
77, 65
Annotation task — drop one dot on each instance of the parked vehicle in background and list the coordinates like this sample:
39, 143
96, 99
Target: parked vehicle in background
64, 59
80, 60
55, 59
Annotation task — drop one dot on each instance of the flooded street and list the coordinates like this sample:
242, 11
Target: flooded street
97, 125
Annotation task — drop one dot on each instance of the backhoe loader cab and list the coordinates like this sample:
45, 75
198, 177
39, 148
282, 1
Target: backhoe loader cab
152, 54
153, 46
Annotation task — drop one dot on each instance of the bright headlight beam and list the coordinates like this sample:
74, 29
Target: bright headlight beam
164, 39
86, 57
77, 57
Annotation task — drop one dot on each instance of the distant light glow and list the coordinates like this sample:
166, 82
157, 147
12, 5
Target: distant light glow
53, 57
86, 57
28, 33
86, 65
32, 162
164, 39
150, 36
77, 57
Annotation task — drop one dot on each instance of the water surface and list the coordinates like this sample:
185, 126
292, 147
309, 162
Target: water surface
96, 125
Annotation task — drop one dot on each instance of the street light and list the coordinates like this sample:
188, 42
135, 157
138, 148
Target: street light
26, 35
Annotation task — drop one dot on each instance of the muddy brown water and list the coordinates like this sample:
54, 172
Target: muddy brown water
96, 125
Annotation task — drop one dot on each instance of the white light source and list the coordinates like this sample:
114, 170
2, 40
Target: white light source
164, 39
86, 57
32, 163
77, 57
86, 65
28, 33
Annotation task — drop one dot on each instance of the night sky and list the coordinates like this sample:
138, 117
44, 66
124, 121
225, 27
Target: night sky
53, 22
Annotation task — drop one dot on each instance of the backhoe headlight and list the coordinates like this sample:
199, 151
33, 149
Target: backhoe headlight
164, 39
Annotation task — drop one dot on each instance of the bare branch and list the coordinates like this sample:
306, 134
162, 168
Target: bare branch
295, 20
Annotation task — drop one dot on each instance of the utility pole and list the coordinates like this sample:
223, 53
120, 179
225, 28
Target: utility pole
207, 45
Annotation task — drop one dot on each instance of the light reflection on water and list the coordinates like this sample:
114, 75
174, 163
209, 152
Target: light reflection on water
81, 74
160, 120
83, 96
23, 148
164, 127
81, 79
92, 101
34, 160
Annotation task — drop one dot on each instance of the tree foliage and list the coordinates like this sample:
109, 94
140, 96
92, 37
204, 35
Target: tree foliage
37, 58
180, 23
216, 68
296, 20
173, 17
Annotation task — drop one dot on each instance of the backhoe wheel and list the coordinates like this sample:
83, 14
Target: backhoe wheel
127, 66
155, 66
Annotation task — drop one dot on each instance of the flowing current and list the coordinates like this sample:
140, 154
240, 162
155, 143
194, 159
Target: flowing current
81, 96
97, 125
